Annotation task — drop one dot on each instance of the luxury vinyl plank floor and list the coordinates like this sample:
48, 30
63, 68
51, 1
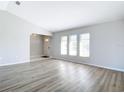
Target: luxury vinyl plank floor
57, 75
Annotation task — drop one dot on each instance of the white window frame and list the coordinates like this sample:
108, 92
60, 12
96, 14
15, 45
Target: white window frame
65, 48
81, 51
70, 45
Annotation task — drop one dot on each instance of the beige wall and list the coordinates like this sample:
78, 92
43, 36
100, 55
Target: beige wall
46, 45
36, 46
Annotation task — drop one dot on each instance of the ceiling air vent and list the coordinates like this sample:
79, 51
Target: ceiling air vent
17, 3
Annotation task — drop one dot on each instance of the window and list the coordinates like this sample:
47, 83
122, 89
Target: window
84, 45
64, 45
73, 45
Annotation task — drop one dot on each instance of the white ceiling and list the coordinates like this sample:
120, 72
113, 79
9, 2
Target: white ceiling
3, 5
57, 16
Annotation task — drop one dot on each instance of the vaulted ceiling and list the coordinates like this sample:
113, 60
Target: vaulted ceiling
58, 16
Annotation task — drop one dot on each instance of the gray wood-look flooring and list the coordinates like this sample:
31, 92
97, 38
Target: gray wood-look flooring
57, 75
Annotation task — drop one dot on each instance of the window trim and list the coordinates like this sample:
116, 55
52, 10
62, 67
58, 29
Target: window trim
79, 46
76, 44
66, 45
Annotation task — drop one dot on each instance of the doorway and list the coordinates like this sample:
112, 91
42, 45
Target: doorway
39, 47
46, 46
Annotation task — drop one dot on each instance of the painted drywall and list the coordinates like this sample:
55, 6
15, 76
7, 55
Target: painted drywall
46, 45
106, 45
57, 16
36, 46
4, 5
15, 38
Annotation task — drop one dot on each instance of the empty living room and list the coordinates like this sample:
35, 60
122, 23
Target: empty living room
61, 46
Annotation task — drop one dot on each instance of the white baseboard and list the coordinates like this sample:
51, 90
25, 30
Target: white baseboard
14, 63
25, 61
36, 56
115, 69
38, 59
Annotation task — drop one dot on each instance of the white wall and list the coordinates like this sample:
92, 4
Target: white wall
4, 5
106, 45
15, 38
